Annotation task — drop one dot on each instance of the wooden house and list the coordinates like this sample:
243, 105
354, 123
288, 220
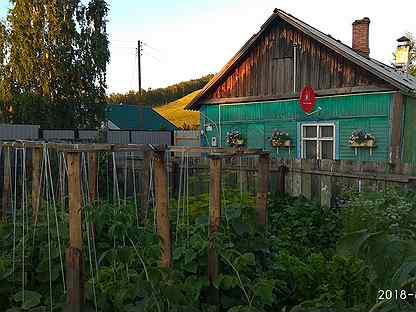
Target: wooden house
258, 96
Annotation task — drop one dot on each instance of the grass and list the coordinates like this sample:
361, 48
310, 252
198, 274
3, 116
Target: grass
175, 112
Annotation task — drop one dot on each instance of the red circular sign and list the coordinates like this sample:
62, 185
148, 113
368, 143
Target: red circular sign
307, 99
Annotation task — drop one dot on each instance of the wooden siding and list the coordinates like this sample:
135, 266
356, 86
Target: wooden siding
256, 121
267, 69
409, 140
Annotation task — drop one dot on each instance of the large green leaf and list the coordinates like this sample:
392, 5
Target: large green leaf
29, 299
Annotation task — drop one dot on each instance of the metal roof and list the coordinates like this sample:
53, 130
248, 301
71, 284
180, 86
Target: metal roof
137, 117
402, 81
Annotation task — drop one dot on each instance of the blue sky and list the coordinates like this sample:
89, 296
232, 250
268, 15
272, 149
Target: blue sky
190, 38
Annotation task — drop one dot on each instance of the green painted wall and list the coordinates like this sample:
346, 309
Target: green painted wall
409, 140
256, 121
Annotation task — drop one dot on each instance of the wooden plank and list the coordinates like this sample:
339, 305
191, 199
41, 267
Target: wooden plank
162, 208
75, 200
292, 95
74, 258
37, 159
326, 183
75, 280
306, 179
7, 181
396, 127
215, 165
263, 189
297, 178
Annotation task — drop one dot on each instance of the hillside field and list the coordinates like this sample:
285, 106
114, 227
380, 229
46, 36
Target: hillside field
175, 112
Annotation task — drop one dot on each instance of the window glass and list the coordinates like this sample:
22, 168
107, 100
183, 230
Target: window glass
310, 149
327, 149
310, 132
327, 132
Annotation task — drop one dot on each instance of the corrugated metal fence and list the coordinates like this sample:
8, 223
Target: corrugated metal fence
34, 132
19, 132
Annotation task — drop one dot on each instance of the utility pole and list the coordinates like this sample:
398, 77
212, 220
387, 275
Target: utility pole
139, 54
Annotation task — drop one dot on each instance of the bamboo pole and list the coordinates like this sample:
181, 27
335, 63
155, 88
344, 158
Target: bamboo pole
162, 208
75, 267
37, 156
262, 189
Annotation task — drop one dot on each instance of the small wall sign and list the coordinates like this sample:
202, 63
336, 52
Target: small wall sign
307, 99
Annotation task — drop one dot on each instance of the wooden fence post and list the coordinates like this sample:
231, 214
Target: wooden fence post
262, 189
37, 157
162, 208
75, 267
7, 179
215, 166
144, 196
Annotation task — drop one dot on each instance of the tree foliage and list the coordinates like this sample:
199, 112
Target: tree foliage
55, 56
160, 96
412, 61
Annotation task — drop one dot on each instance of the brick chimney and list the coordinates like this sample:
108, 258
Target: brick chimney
360, 35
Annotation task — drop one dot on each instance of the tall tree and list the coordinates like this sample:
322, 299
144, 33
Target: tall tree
412, 54
57, 60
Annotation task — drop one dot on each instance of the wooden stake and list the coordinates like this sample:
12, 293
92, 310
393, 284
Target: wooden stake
262, 189
144, 196
7, 179
162, 208
74, 257
215, 164
37, 159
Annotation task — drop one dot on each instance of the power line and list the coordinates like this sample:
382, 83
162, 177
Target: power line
154, 49
154, 57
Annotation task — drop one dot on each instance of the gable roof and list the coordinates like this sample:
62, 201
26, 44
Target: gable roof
403, 82
137, 117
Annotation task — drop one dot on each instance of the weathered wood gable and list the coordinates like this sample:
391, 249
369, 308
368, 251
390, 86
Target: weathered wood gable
267, 68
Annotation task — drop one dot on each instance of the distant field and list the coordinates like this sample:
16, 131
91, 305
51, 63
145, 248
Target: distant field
175, 112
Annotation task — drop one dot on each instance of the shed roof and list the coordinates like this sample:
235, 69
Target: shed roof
398, 79
137, 117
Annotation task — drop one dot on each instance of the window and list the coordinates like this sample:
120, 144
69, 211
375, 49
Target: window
318, 141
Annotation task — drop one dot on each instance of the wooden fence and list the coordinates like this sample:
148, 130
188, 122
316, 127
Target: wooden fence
320, 180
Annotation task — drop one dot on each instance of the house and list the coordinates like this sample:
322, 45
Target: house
135, 117
308, 93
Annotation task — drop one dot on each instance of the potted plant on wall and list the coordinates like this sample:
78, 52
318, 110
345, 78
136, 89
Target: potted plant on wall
280, 139
362, 139
234, 138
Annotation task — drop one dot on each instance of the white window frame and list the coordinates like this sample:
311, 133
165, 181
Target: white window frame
318, 139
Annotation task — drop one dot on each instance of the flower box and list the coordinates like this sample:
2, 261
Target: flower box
238, 143
234, 139
278, 143
368, 143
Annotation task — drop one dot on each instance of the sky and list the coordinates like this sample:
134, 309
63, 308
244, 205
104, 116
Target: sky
186, 39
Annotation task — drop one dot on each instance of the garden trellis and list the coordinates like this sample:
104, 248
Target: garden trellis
69, 176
